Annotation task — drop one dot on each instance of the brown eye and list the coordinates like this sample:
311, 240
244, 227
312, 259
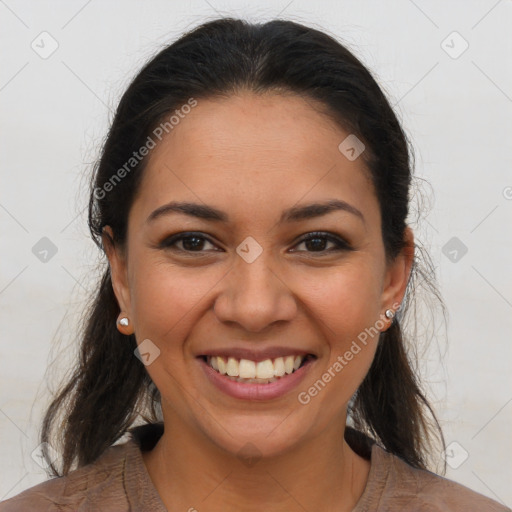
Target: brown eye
317, 242
190, 242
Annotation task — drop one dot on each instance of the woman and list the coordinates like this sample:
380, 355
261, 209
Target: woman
251, 199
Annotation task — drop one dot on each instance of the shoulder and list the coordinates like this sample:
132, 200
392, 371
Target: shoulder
395, 485
101, 482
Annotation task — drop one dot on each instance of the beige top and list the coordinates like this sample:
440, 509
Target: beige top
118, 481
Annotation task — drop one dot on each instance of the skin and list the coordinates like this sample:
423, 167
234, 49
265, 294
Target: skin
252, 156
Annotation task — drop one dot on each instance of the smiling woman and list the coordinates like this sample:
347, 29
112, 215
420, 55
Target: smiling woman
246, 335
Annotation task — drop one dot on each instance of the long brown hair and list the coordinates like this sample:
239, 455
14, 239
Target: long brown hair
109, 390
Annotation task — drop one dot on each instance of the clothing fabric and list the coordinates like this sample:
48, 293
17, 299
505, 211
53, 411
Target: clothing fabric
118, 481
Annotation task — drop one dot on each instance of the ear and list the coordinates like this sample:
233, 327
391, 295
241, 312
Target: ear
118, 270
397, 274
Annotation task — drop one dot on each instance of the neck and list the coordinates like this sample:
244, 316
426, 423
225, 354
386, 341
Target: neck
190, 472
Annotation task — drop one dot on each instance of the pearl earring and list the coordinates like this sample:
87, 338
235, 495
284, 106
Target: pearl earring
123, 321
389, 314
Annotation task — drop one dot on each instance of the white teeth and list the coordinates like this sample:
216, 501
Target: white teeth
253, 381
265, 369
220, 363
279, 367
247, 370
288, 364
232, 367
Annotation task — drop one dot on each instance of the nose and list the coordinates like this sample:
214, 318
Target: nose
254, 296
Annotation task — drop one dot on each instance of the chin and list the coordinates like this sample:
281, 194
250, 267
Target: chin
247, 439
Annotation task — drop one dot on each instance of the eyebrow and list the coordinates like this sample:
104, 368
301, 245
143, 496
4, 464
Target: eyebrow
293, 214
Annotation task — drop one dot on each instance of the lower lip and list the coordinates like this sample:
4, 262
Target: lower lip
252, 391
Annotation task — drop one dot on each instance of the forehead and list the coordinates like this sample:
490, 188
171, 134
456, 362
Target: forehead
251, 152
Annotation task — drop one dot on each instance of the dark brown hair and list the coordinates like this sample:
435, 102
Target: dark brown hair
110, 391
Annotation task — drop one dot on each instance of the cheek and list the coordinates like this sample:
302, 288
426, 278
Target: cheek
345, 308
166, 302
343, 300
164, 298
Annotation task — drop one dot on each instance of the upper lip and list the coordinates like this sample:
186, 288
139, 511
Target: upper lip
255, 355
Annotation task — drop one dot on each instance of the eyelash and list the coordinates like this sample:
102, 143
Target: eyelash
341, 244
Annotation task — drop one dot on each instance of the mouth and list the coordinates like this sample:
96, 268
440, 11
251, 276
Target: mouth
263, 380
266, 372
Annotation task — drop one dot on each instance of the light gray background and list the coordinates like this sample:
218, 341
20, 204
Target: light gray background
457, 111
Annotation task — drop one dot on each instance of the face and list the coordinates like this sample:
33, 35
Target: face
239, 277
